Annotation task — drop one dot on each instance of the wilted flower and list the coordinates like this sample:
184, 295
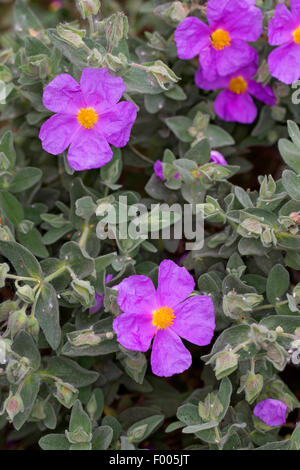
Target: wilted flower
100, 297
284, 31
221, 44
88, 118
164, 314
271, 412
217, 158
158, 170
235, 103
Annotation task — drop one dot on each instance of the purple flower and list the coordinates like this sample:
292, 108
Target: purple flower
158, 170
271, 412
221, 44
88, 118
235, 103
100, 297
284, 31
218, 158
164, 314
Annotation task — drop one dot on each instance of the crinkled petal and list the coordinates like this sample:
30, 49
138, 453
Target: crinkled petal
137, 295
175, 284
101, 90
284, 63
88, 150
169, 356
117, 122
295, 8
208, 62
191, 35
134, 331
63, 95
241, 18
195, 320
58, 132
217, 158
262, 93
271, 412
202, 82
99, 303
235, 57
281, 26
236, 108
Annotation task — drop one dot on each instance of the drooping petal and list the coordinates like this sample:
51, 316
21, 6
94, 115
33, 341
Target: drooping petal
217, 158
134, 331
271, 412
116, 123
281, 26
101, 90
262, 93
137, 295
88, 150
284, 63
169, 356
202, 82
195, 320
295, 8
236, 108
175, 284
63, 95
191, 35
235, 57
57, 133
240, 18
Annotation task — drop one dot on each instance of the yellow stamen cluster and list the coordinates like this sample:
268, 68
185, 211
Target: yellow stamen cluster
238, 85
87, 117
163, 317
296, 35
220, 39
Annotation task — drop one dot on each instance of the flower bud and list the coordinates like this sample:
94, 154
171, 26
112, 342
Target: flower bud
26, 294
268, 237
13, 405
17, 321
211, 408
236, 305
7, 307
84, 338
16, 370
295, 216
4, 269
116, 28
84, 292
252, 385
71, 34
65, 393
267, 187
226, 362
250, 228
116, 63
172, 12
277, 355
33, 327
163, 74
88, 7
5, 234
78, 436
92, 406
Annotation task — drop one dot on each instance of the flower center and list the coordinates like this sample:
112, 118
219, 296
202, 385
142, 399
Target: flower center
238, 85
163, 317
220, 39
87, 117
296, 35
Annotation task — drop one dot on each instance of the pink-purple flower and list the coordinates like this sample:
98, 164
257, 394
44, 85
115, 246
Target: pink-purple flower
284, 31
235, 102
271, 412
221, 45
165, 314
88, 118
100, 297
217, 158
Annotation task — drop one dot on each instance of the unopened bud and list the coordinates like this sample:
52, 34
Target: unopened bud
71, 34
33, 327
250, 227
84, 292
65, 393
172, 12
163, 74
211, 408
17, 321
16, 370
295, 216
88, 7
26, 294
252, 385
13, 405
116, 28
84, 338
116, 63
226, 362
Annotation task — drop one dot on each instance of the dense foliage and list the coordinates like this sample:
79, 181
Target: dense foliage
66, 381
